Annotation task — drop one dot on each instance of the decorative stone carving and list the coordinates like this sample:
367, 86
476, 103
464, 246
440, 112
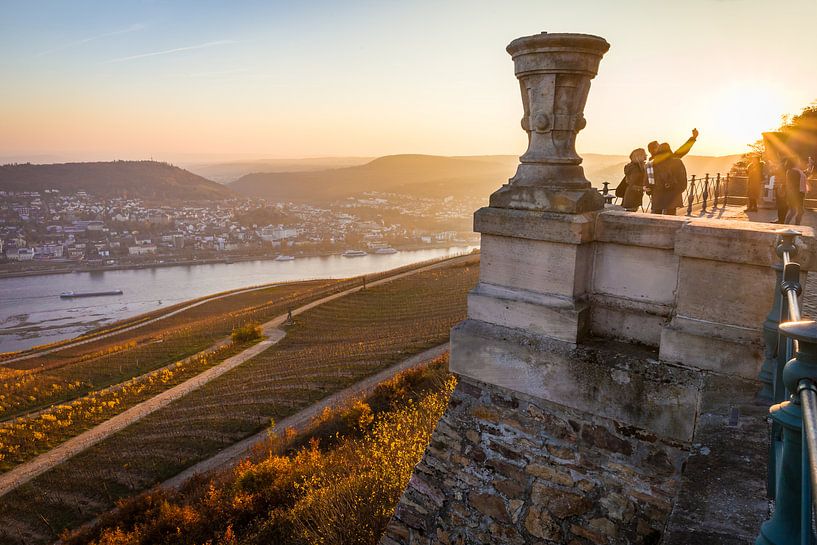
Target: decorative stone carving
554, 72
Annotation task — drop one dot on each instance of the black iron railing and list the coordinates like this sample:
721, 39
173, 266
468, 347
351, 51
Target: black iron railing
702, 194
707, 192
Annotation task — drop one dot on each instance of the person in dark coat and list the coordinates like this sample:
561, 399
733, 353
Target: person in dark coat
635, 174
795, 193
662, 152
670, 182
754, 179
778, 179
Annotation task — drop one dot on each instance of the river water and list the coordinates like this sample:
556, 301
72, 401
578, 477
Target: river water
32, 312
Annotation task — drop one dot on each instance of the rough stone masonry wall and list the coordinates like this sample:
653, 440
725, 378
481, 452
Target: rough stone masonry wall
507, 468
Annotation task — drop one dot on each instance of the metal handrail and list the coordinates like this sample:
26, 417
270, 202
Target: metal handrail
791, 366
791, 286
807, 392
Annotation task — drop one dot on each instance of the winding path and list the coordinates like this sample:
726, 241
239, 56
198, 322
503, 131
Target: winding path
59, 454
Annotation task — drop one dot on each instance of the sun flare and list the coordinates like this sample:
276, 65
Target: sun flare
742, 111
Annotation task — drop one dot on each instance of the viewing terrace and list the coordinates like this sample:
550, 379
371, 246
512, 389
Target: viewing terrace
617, 369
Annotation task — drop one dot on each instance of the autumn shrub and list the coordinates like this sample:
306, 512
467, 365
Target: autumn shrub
336, 506
246, 333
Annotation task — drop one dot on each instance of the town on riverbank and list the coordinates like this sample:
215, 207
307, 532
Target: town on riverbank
57, 231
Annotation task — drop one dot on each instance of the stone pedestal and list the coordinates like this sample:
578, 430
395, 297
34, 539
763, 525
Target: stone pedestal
536, 233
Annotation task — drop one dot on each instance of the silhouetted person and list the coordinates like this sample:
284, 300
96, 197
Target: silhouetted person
795, 193
635, 174
754, 179
670, 182
778, 182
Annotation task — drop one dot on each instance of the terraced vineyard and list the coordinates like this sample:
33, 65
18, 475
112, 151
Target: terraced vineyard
22, 438
329, 347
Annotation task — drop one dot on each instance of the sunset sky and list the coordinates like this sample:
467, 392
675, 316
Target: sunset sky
100, 80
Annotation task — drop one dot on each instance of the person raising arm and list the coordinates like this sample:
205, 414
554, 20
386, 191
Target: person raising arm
658, 157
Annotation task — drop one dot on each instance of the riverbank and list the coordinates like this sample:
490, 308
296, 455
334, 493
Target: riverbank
79, 267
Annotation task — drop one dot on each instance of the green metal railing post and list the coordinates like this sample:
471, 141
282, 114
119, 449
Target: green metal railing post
772, 352
791, 522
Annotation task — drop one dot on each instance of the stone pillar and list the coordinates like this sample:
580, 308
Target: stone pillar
537, 232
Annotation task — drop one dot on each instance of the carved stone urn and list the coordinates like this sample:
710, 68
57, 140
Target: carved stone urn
554, 72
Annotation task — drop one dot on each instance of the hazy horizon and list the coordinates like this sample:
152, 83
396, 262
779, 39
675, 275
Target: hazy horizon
186, 160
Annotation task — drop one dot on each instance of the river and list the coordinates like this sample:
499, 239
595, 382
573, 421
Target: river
32, 312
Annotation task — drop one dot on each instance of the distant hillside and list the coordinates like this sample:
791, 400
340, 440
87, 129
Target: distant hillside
149, 180
410, 174
228, 171
430, 175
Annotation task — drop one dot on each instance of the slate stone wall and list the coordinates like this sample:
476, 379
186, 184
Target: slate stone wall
507, 468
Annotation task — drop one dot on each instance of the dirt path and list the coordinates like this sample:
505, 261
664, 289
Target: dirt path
300, 420
42, 463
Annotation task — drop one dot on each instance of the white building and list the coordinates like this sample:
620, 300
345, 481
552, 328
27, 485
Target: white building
20, 254
277, 233
141, 250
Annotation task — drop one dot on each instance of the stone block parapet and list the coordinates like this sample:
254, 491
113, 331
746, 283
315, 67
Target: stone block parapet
679, 285
622, 382
594, 359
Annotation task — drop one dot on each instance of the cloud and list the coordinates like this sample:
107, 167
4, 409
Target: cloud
215, 73
133, 28
170, 51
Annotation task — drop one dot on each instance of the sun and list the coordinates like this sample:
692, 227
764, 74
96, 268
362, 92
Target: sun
741, 111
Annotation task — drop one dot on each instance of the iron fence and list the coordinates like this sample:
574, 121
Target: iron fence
703, 194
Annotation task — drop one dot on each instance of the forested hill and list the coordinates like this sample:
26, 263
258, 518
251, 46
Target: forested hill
432, 176
131, 179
